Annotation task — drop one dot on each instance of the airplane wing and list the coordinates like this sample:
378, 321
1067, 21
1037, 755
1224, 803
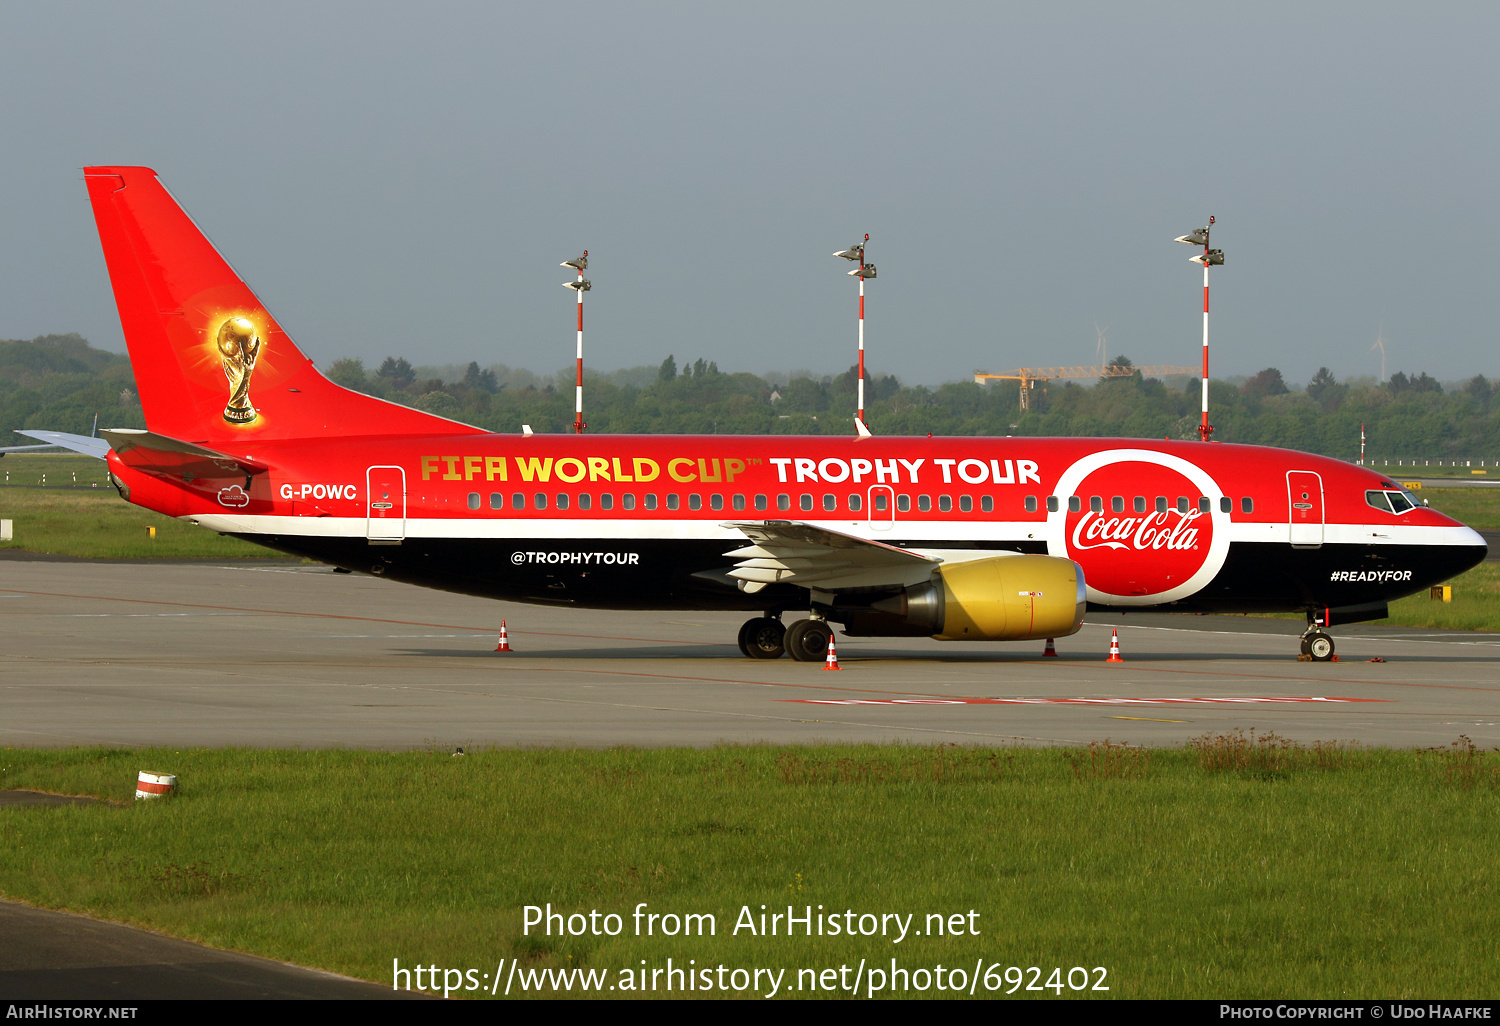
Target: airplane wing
171, 457
89, 446
788, 552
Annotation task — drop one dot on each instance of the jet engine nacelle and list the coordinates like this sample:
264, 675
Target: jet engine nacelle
1006, 598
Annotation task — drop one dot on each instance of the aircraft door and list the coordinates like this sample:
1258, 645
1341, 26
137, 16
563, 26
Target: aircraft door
881, 506
385, 505
1305, 501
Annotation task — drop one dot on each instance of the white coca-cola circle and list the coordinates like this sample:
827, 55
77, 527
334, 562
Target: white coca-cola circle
1188, 580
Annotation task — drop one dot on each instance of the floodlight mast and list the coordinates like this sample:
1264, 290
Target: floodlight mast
580, 286
1206, 258
857, 252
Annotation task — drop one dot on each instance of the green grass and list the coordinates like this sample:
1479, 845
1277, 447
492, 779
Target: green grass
65, 505
1475, 605
1477, 507
1235, 868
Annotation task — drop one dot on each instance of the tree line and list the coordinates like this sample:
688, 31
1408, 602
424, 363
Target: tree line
60, 382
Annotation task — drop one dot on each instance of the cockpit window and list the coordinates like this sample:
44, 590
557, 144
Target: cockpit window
1390, 502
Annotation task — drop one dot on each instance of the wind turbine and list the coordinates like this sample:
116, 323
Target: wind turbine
1101, 332
1380, 344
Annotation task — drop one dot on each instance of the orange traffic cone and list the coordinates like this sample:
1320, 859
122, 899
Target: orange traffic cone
1114, 648
504, 643
1051, 651
832, 662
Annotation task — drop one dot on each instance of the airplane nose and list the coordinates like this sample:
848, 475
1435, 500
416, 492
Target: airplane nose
1464, 536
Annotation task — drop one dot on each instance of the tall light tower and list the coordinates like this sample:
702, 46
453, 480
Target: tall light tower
580, 286
863, 271
1207, 258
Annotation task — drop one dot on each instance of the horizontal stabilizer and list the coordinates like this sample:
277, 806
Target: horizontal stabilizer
95, 447
170, 457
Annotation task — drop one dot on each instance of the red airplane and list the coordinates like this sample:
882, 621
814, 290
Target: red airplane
961, 539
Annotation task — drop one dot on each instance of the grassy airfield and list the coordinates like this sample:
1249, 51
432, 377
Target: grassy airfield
1233, 867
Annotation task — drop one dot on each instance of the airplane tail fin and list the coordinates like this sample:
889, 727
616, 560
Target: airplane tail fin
211, 363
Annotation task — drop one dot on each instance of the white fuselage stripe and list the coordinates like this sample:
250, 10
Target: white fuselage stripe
940, 531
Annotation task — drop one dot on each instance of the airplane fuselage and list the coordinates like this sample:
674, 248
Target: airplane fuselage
638, 521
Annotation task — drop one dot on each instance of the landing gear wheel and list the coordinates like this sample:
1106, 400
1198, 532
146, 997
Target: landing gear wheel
807, 640
763, 638
1319, 646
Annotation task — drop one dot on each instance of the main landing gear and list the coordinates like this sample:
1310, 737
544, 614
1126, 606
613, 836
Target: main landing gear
805, 641
1317, 644
763, 637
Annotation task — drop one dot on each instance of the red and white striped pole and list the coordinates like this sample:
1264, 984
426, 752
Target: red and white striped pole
862, 334
1205, 429
578, 395
580, 286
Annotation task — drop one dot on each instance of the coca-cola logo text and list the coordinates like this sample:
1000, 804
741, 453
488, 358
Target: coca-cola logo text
1167, 529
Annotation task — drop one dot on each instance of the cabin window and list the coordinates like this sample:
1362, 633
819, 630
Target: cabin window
903, 503
945, 504
562, 500
627, 501
473, 500
673, 501
806, 502
1140, 504
1247, 505
1204, 506
924, 503
695, 501
606, 501
584, 500
518, 501
497, 500
1161, 504
830, 503
760, 502
739, 502
1225, 504
987, 504
854, 502
1075, 503
882, 502
783, 502
1051, 504
717, 502
965, 504
1117, 504
541, 500
1096, 503
648, 501
1182, 504
1031, 503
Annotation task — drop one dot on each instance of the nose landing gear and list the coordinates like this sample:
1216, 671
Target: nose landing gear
1317, 644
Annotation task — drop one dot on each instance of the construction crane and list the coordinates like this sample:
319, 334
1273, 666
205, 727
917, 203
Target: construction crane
1029, 376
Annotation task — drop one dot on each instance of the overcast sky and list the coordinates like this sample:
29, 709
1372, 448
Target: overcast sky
405, 178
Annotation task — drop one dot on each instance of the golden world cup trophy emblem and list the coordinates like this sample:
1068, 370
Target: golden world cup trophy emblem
239, 347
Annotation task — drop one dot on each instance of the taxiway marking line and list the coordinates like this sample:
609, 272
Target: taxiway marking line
241, 610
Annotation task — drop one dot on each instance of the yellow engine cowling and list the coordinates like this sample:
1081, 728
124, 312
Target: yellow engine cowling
1005, 598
